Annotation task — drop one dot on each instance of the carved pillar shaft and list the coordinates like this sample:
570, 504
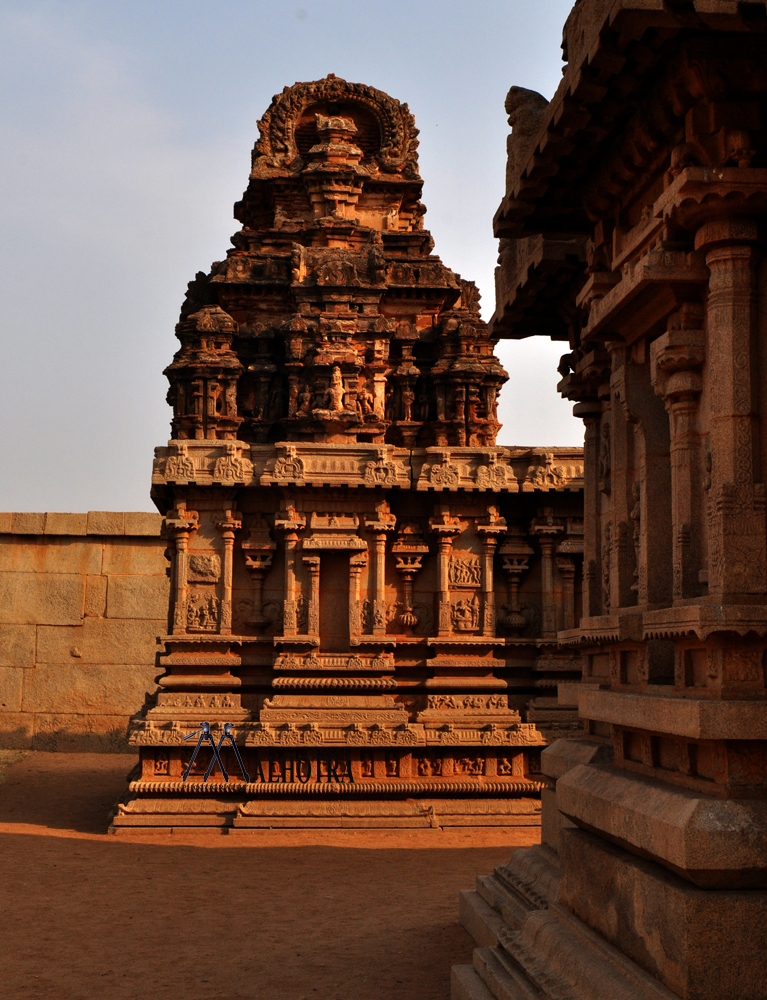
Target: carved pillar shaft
592, 596
488, 594
685, 507
179, 525
566, 570
445, 546
228, 525
379, 605
179, 601
313, 565
737, 537
731, 317
290, 616
356, 564
549, 626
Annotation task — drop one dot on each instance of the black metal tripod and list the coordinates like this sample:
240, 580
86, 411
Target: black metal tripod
228, 736
206, 736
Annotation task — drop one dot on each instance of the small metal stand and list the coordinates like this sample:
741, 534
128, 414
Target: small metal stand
205, 735
228, 736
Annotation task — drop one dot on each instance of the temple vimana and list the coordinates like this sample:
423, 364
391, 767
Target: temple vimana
363, 584
402, 623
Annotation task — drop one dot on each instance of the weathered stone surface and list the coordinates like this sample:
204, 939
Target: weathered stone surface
17, 645
11, 682
137, 597
716, 843
100, 640
106, 522
696, 718
563, 755
40, 554
16, 730
66, 733
32, 598
134, 557
28, 524
140, 523
65, 524
86, 688
95, 596
641, 909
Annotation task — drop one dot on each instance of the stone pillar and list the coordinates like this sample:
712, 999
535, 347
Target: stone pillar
676, 358
290, 522
489, 532
409, 549
228, 525
383, 522
357, 563
736, 523
446, 528
179, 524
312, 563
258, 550
590, 412
546, 528
566, 570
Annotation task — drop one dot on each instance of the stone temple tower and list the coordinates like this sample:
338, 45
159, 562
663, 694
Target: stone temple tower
363, 584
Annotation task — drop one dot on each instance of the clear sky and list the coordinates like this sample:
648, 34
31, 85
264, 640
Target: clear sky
126, 132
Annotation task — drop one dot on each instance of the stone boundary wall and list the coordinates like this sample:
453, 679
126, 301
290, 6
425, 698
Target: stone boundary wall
83, 598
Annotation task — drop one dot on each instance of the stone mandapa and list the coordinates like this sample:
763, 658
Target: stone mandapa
632, 230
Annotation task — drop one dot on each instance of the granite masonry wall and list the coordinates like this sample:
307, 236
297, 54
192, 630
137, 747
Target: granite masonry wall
83, 598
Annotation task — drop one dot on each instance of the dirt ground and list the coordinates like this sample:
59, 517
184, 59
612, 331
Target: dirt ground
348, 915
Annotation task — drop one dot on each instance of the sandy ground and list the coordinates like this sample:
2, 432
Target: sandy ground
288, 915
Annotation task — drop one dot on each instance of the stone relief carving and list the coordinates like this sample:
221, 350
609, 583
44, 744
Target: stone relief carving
202, 612
492, 477
445, 475
205, 569
465, 570
232, 467
465, 615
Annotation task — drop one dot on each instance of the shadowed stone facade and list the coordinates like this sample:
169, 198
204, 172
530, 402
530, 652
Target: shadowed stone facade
633, 228
362, 581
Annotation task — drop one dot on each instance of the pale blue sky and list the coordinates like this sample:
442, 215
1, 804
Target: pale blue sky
127, 126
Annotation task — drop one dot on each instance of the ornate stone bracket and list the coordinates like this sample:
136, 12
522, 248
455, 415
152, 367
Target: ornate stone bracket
546, 528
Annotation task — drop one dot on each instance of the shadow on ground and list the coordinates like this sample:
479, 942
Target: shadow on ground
89, 916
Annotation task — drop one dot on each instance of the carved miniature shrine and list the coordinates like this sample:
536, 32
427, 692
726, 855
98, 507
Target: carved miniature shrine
634, 227
364, 584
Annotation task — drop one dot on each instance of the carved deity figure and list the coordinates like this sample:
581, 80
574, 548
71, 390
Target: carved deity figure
336, 391
408, 398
